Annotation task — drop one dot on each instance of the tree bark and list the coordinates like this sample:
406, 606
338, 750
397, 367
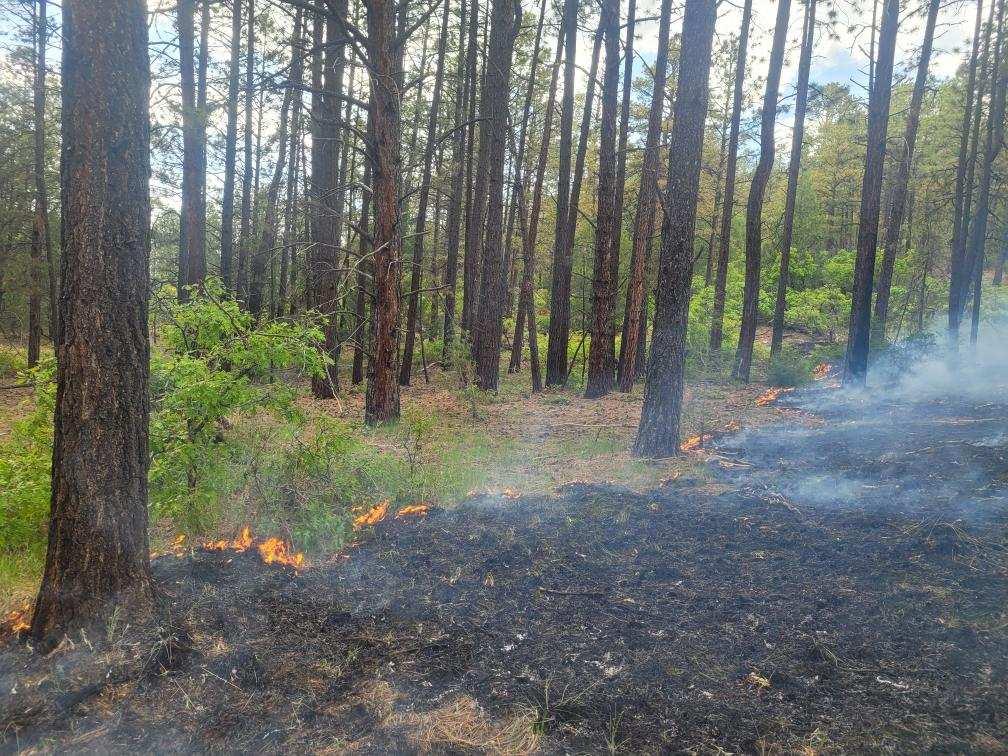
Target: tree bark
754, 206
505, 17
192, 243
797, 139
98, 554
901, 183
600, 350
728, 203
858, 340
230, 150
475, 168
245, 232
634, 323
658, 434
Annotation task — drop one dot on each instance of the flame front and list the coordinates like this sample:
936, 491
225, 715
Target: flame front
695, 442
18, 619
821, 371
274, 551
373, 516
240, 543
413, 510
771, 395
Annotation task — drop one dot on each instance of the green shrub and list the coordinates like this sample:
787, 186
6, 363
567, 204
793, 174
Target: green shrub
789, 368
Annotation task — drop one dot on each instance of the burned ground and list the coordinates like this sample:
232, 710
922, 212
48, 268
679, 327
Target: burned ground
835, 583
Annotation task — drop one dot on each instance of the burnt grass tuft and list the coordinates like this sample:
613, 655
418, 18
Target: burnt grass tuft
841, 587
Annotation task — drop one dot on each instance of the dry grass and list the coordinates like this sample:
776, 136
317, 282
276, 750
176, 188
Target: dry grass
463, 724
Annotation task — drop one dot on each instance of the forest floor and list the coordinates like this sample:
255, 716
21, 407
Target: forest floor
834, 582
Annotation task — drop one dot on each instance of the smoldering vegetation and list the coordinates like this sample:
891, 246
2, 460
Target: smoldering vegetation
836, 583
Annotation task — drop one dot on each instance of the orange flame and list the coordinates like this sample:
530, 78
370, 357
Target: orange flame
17, 620
695, 442
240, 543
274, 551
373, 516
821, 371
771, 395
413, 510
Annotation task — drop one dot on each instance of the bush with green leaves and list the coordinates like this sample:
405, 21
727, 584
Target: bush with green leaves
789, 368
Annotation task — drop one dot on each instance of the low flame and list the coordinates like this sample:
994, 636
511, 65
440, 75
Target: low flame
771, 395
413, 510
274, 551
821, 371
695, 442
373, 516
240, 543
18, 619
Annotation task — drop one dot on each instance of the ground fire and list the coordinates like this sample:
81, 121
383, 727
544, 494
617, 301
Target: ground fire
771, 395
372, 516
272, 550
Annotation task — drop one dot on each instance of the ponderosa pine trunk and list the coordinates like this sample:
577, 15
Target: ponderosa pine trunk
600, 351
245, 224
901, 183
728, 203
794, 166
859, 336
98, 553
230, 151
475, 179
556, 352
416, 267
757, 192
487, 327
192, 241
634, 323
658, 434
385, 59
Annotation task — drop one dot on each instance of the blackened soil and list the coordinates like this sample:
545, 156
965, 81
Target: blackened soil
838, 586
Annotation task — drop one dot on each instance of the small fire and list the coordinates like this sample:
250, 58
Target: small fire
695, 442
17, 620
821, 371
771, 395
240, 543
413, 510
274, 551
373, 516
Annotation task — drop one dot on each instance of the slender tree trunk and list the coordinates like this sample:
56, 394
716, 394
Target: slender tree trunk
897, 209
634, 323
794, 166
658, 434
382, 398
600, 351
293, 163
98, 553
192, 246
754, 207
728, 206
416, 269
475, 199
556, 353
245, 232
365, 268
505, 19
856, 366
230, 150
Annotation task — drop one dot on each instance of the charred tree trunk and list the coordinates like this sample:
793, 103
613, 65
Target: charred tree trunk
98, 554
385, 53
658, 434
633, 315
901, 183
505, 17
600, 351
858, 340
556, 353
754, 207
728, 203
230, 151
416, 269
245, 232
797, 138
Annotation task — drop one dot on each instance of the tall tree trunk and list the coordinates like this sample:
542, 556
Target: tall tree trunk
98, 554
560, 311
600, 350
658, 434
794, 166
754, 207
293, 163
858, 340
556, 353
453, 220
365, 268
475, 199
41, 242
385, 53
192, 243
416, 278
245, 232
728, 206
230, 150
505, 17
530, 233
901, 183
634, 323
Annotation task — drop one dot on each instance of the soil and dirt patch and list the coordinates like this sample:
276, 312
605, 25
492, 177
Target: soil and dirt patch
834, 585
